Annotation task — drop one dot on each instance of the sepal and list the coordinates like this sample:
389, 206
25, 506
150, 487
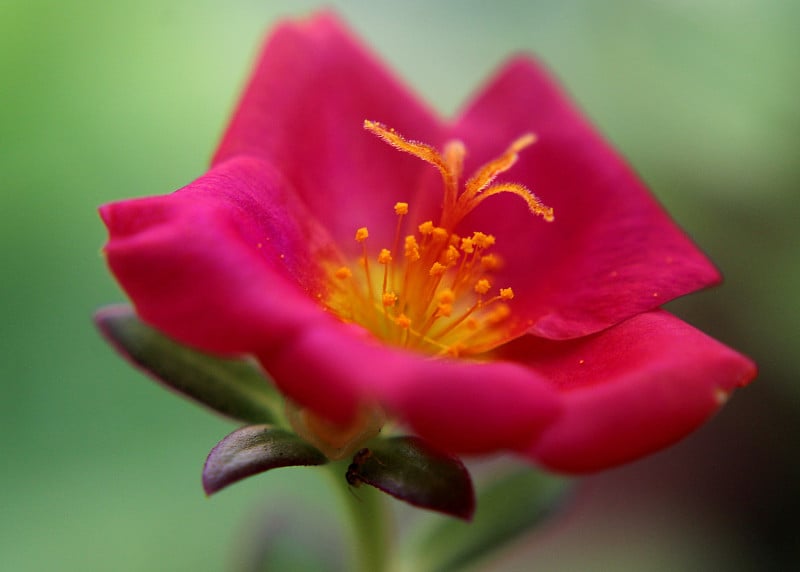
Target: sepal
235, 388
411, 470
252, 450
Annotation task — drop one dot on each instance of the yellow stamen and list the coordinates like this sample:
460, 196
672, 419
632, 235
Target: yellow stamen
490, 262
482, 286
411, 248
436, 296
385, 256
437, 269
446, 296
426, 228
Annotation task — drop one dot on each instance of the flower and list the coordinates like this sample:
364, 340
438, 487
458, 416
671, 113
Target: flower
367, 283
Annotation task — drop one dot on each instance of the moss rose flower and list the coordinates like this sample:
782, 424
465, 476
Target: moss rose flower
423, 282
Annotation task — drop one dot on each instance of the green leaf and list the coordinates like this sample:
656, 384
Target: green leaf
252, 450
509, 507
411, 470
235, 388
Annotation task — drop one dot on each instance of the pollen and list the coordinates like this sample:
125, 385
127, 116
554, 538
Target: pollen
426, 228
385, 256
343, 272
506, 293
490, 262
437, 269
446, 296
482, 286
412, 248
438, 296
482, 240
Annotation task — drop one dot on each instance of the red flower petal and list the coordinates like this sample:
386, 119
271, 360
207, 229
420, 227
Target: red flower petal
304, 110
611, 253
217, 264
630, 390
462, 407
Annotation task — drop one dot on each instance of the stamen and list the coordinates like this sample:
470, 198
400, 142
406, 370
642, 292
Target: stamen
437, 269
426, 228
442, 304
401, 210
361, 236
412, 248
384, 258
482, 286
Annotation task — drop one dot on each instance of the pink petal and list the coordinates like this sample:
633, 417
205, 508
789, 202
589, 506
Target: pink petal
611, 252
462, 407
304, 110
220, 264
630, 390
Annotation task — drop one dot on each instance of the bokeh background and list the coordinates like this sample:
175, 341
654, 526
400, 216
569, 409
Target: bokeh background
102, 100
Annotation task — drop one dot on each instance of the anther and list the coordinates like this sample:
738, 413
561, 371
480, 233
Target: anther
446, 296
385, 256
490, 262
426, 227
437, 269
411, 248
482, 286
451, 255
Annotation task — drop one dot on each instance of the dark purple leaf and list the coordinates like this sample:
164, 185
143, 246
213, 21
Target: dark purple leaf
252, 450
411, 470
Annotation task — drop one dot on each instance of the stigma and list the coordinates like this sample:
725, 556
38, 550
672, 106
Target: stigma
433, 290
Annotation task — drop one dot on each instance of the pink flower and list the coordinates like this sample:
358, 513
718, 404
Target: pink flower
535, 337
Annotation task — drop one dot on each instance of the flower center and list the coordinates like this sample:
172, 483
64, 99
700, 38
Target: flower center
433, 289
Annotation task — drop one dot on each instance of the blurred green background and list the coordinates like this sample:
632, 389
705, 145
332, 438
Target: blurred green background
103, 100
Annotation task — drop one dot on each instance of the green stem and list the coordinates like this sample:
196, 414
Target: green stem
369, 519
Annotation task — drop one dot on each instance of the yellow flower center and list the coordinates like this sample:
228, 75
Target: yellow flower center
433, 289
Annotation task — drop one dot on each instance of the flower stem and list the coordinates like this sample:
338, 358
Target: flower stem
369, 521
